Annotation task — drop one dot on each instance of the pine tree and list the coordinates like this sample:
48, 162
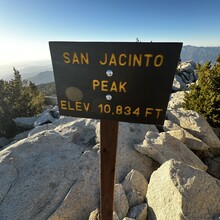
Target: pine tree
204, 96
18, 98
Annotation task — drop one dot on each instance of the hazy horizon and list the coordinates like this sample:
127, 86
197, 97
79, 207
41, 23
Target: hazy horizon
28, 26
37, 66
6, 71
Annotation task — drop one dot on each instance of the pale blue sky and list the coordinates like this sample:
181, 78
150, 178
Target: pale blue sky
26, 26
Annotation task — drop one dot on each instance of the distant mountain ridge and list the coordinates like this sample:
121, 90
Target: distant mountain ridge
42, 78
199, 54
41, 74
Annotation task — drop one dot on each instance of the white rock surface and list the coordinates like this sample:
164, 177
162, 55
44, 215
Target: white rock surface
196, 125
162, 147
178, 134
176, 100
55, 174
191, 141
38, 129
50, 174
178, 191
57, 170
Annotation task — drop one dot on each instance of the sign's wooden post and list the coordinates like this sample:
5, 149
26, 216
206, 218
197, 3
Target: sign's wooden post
109, 136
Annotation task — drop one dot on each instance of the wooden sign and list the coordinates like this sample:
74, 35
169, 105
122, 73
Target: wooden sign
114, 82
128, 82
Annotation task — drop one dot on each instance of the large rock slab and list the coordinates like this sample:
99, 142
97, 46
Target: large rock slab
8, 179
48, 178
197, 126
178, 191
162, 147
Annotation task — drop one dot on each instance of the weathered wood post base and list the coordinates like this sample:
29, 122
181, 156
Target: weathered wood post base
109, 136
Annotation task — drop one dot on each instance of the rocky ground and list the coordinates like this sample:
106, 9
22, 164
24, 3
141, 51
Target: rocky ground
166, 173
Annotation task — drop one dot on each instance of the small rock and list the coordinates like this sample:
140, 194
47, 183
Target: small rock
3, 142
213, 166
55, 112
178, 84
94, 215
115, 216
138, 212
135, 186
26, 123
188, 66
21, 136
121, 206
187, 71
48, 116
216, 217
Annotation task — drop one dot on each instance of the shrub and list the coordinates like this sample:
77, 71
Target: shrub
204, 96
18, 98
48, 89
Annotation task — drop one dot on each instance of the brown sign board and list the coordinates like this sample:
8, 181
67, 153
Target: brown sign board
120, 81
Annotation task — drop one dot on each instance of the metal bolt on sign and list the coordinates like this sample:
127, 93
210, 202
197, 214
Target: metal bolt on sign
109, 73
108, 97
